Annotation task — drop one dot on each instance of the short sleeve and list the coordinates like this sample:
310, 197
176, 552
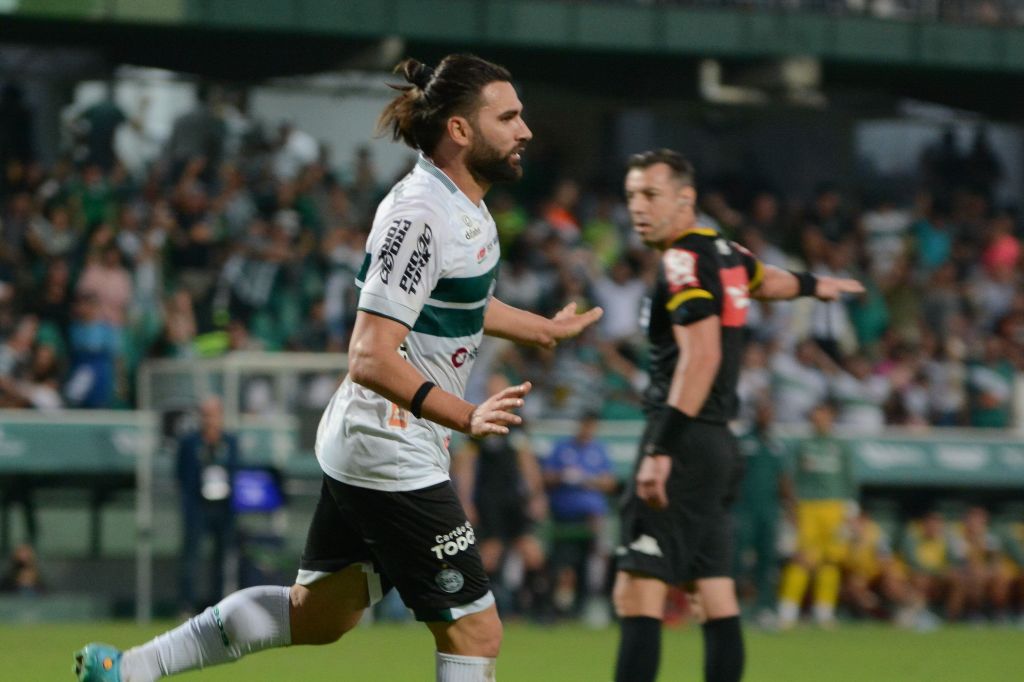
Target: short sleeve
405, 264
753, 266
692, 282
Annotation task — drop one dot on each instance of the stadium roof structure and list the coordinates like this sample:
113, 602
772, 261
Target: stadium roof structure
616, 49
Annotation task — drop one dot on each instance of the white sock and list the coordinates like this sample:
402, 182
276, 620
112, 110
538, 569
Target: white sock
788, 612
824, 613
245, 622
453, 668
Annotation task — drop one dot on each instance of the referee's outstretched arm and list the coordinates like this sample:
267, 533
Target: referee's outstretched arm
782, 284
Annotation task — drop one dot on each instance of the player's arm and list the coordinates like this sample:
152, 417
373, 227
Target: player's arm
532, 477
530, 329
787, 495
776, 283
700, 354
374, 362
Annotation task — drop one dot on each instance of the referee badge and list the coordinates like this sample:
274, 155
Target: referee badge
450, 580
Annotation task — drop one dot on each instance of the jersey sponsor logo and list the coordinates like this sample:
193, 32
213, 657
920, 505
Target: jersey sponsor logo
680, 269
645, 544
462, 354
723, 247
457, 540
737, 296
392, 244
450, 580
472, 230
417, 261
486, 250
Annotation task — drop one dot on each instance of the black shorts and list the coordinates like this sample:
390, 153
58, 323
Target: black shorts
692, 538
419, 541
504, 518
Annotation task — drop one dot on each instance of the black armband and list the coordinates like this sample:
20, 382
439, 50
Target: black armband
416, 404
667, 431
807, 282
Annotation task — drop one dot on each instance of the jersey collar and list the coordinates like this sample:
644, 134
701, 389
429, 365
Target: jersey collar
427, 166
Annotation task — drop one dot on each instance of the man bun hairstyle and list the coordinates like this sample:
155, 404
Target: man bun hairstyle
431, 95
682, 170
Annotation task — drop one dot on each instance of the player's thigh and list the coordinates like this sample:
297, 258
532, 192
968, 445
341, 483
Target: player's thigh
834, 530
324, 610
636, 594
425, 547
476, 634
718, 597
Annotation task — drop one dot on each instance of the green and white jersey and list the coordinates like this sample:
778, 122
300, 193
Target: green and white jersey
430, 263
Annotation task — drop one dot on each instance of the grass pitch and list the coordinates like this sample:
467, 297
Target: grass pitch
854, 653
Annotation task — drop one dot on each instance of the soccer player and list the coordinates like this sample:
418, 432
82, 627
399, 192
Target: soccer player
872, 578
982, 566
823, 477
388, 514
764, 489
675, 527
928, 550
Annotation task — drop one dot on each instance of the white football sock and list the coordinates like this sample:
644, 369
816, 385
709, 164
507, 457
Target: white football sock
788, 612
453, 668
824, 613
245, 622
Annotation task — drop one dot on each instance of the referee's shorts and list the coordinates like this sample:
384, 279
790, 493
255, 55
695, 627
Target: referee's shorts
693, 537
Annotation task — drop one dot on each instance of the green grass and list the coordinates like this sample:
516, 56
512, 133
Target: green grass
855, 653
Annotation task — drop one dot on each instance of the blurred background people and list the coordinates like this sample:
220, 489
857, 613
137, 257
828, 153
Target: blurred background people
207, 460
579, 477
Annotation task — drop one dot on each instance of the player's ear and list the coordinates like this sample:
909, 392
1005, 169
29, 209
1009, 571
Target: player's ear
460, 131
687, 196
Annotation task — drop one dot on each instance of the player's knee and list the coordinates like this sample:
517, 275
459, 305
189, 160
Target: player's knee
476, 635
315, 620
622, 599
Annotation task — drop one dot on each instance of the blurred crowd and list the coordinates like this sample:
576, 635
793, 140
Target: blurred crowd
234, 235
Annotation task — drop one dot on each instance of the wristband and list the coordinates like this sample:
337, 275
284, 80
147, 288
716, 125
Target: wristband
667, 431
416, 404
808, 283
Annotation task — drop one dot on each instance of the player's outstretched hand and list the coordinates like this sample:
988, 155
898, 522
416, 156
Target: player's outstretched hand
494, 415
651, 478
831, 288
567, 323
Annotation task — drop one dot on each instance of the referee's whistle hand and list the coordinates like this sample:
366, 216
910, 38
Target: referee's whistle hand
651, 479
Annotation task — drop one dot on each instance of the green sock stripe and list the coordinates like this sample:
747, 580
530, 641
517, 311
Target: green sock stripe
220, 626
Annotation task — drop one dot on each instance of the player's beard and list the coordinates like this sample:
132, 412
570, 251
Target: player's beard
488, 164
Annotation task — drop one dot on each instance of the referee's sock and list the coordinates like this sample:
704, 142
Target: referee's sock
639, 649
723, 650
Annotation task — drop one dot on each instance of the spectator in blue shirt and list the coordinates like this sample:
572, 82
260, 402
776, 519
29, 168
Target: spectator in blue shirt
578, 475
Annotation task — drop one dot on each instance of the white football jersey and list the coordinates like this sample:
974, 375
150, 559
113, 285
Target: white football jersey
431, 261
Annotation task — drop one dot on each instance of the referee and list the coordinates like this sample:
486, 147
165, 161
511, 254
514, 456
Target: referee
675, 527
